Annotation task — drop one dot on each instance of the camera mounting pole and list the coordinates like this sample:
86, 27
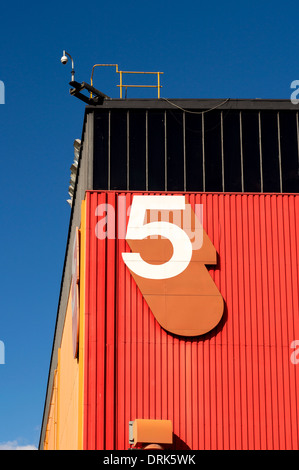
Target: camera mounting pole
64, 61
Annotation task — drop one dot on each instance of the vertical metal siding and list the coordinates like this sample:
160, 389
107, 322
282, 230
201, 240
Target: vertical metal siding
114, 169
233, 388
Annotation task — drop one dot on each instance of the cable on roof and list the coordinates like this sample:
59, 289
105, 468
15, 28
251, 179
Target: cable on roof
196, 112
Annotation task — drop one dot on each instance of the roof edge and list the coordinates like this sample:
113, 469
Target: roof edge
186, 104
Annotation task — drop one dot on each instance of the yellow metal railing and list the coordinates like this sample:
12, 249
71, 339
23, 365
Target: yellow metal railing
122, 72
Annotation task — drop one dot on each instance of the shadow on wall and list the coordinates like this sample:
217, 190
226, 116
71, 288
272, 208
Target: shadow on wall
179, 444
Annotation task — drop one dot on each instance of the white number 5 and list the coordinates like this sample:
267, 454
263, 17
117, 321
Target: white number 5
137, 230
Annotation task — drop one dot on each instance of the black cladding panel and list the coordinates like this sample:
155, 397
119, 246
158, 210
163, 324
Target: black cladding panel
288, 122
194, 152
270, 152
137, 148
101, 148
232, 157
156, 150
232, 150
213, 155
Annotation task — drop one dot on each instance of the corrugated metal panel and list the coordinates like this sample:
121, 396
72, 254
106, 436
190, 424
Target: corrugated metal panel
233, 388
179, 149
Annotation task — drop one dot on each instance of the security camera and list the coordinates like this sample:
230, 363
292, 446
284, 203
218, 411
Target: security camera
64, 59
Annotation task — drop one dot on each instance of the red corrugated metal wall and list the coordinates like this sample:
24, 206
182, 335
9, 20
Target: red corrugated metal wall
233, 388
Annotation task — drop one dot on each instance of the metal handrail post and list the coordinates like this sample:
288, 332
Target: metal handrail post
121, 83
158, 85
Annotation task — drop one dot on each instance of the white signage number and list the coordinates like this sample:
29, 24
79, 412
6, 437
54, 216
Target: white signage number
137, 230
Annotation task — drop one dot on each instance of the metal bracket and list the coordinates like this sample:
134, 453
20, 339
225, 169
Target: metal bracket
98, 97
131, 437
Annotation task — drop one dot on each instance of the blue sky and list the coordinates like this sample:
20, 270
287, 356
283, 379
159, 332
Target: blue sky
209, 49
